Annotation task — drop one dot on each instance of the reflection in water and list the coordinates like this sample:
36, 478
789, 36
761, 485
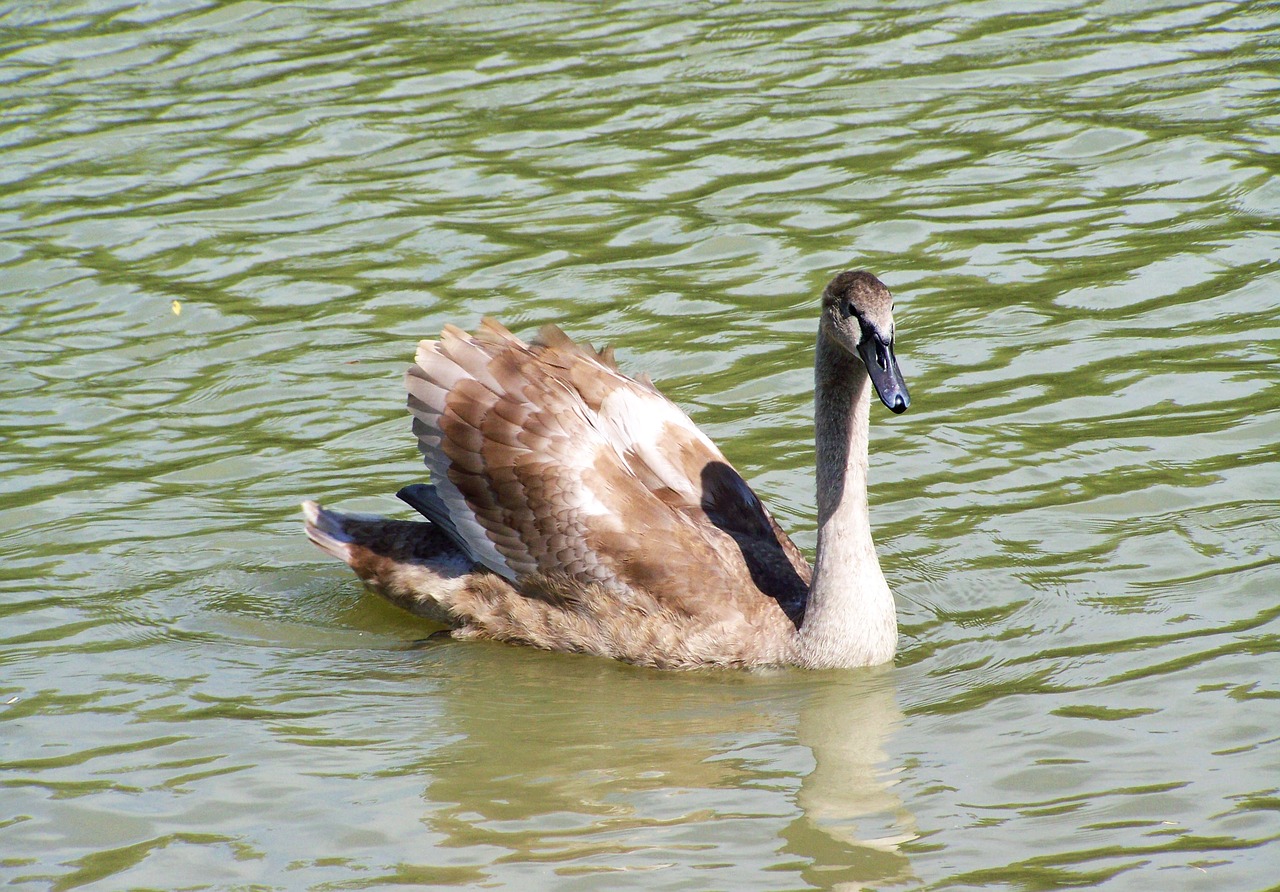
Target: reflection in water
852, 821
580, 762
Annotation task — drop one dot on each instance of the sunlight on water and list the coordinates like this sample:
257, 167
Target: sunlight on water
224, 226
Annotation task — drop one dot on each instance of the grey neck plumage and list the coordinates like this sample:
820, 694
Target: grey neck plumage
850, 619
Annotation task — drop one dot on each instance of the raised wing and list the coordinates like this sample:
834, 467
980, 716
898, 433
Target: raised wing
551, 461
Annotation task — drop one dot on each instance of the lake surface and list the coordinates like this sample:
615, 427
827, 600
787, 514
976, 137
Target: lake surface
223, 226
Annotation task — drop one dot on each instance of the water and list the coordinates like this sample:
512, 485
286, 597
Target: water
222, 228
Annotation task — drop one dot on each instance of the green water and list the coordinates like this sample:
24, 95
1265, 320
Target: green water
224, 225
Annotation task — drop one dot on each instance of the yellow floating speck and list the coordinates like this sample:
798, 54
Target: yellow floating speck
177, 308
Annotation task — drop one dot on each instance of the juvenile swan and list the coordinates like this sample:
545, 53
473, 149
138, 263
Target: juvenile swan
576, 509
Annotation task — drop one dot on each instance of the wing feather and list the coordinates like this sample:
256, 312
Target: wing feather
550, 461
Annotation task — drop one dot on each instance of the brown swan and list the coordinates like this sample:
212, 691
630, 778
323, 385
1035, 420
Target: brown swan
576, 509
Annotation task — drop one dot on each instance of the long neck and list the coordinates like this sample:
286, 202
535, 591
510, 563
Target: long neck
850, 618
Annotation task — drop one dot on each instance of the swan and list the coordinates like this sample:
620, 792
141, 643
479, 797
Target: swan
574, 508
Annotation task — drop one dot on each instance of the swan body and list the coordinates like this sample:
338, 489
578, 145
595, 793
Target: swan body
574, 508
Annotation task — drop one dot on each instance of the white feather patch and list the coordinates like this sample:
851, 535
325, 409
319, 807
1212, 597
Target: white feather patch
638, 422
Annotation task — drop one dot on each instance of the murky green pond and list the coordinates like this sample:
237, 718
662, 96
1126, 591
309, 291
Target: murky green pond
223, 226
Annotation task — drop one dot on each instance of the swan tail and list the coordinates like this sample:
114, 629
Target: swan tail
413, 564
325, 529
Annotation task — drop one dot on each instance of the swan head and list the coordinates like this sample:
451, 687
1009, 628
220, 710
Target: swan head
857, 314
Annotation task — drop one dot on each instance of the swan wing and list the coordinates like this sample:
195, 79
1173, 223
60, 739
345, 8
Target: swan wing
551, 461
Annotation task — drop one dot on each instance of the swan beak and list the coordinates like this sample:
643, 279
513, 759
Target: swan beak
882, 366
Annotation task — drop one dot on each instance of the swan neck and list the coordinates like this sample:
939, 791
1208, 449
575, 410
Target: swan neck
850, 619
